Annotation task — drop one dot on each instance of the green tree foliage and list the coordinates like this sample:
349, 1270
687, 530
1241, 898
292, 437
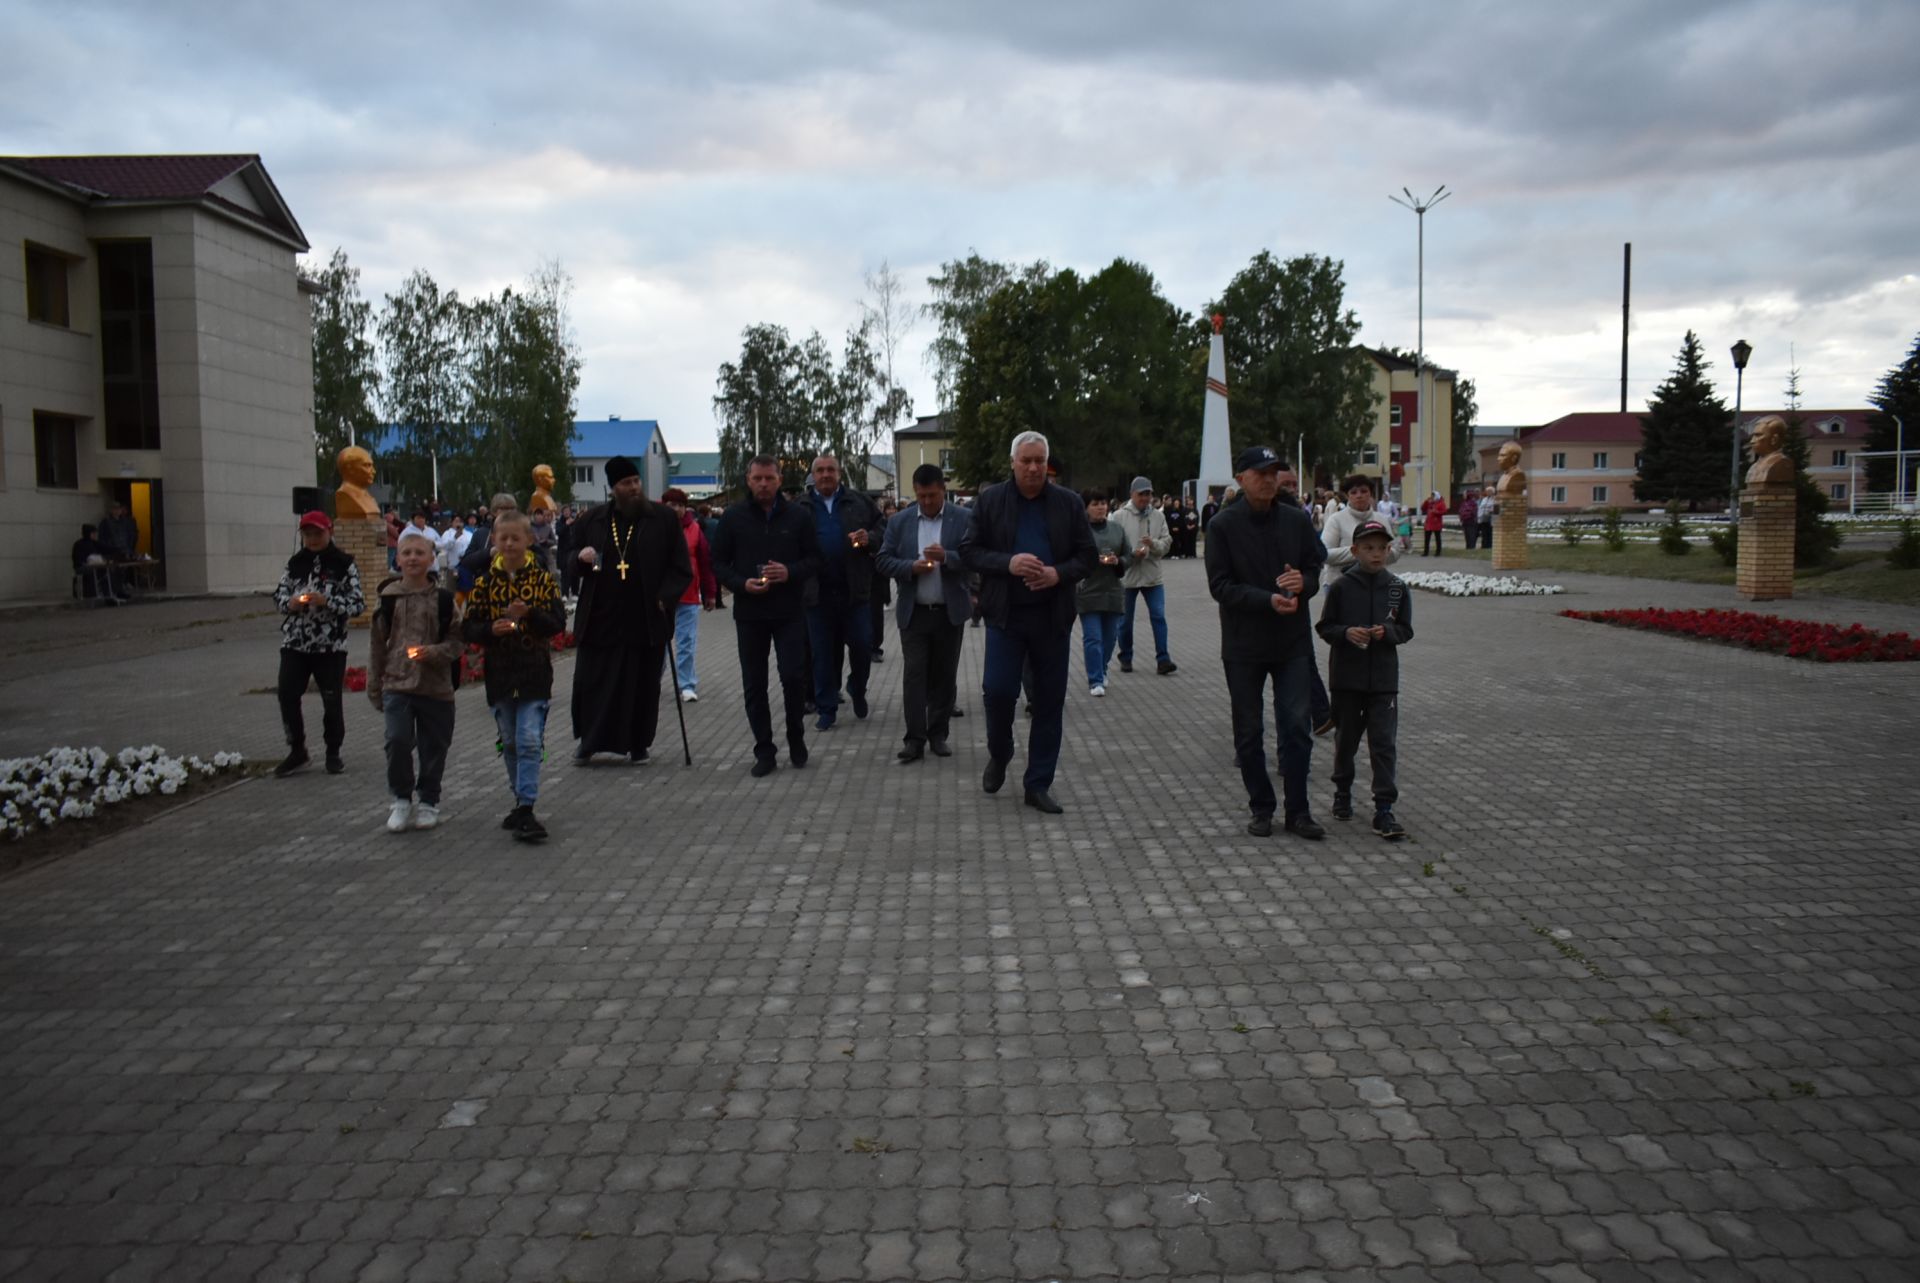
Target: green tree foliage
1686, 436
793, 401
1104, 366
346, 373
1898, 394
1814, 537
1292, 364
960, 294
1466, 411
423, 380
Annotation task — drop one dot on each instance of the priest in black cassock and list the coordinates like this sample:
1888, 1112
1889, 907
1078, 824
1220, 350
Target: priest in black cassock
631, 562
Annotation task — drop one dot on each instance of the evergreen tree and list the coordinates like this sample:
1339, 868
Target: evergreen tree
346, 370
1686, 436
1814, 537
1898, 394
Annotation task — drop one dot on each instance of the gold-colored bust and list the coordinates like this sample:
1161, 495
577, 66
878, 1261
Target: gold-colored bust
1771, 466
1513, 482
356, 474
542, 500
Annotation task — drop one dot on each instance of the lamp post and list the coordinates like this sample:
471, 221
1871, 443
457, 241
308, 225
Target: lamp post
1741, 351
1420, 205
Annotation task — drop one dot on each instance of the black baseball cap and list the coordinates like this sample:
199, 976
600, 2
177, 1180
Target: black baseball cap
1371, 527
1258, 456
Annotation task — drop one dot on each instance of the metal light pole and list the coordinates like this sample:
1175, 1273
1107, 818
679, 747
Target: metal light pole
1899, 463
1420, 206
1741, 351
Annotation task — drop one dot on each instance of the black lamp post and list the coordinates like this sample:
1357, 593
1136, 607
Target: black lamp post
1741, 351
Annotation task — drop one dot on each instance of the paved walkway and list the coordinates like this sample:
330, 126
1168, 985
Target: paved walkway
1638, 1003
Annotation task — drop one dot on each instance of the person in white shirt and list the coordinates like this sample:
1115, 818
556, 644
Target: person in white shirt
1338, 532
454, 542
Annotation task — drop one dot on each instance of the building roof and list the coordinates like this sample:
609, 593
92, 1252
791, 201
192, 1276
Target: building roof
1854, 421
697, 463
605, 438
1587, 425
927, 425
234, 184
1387, 360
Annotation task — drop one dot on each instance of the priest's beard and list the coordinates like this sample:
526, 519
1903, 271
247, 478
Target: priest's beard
629, 508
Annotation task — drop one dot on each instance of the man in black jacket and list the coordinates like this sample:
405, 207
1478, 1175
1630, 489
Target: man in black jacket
848, 529
1030, 544
765, 550
1263, 565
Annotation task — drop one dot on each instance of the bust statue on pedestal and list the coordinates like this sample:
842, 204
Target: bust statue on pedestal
1513, 482
542, 500
356, 474
1763, 564
1510, 517
1771, 465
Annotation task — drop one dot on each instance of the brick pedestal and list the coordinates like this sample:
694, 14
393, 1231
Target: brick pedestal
1510, 535
365, 540
1764, 570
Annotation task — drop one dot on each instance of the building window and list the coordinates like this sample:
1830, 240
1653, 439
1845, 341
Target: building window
1394, 452
1394, 416
1599, 458
1838, 490
583, 474
1839, 458
946, 460
1559, 460
56, 451
130, 406
1557, 495
1599, 494
47, 275
1370, 456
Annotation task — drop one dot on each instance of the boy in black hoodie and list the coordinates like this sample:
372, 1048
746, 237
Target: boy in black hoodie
1368, 616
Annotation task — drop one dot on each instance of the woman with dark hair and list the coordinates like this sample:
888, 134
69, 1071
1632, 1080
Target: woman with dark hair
1100, 599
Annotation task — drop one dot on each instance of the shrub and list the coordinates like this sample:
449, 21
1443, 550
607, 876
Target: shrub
1905, 554
1611, 533
1673, 535
1726, 541
1572, 531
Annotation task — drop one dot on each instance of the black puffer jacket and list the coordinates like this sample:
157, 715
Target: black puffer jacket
1358, 599
1246, 552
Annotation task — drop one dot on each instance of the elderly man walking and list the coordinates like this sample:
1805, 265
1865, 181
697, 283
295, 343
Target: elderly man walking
1148, 541
1030, 544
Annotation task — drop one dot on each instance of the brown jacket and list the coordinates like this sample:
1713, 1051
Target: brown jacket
404, 618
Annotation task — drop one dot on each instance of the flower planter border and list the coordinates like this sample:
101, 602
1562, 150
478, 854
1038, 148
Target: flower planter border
1794, 638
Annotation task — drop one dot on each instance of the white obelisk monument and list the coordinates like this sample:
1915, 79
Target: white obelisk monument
1216, 444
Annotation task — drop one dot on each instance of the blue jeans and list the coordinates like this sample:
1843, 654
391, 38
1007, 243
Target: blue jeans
1030, 637
522, 724
832, 627
1246, 691
1099, 633
1156, 612
686, 635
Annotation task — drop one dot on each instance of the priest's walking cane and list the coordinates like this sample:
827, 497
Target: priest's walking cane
679, 706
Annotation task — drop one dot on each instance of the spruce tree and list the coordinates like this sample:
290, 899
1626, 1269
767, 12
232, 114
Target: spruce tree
1686, 436
1898, 393
1814, 537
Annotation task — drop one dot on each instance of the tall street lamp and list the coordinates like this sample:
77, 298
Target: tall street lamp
1420, 205
1741, 351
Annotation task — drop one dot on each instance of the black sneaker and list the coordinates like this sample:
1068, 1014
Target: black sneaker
1343, 806
1387, 827
335, 764
1260, 826
860, 706
1302, 825
762, 767
796, 755
292, 762
530, 830
517, 818
1167, 668
1126, 666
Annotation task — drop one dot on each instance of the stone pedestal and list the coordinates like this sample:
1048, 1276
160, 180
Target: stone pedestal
1510, 535
365, 540
1764, 570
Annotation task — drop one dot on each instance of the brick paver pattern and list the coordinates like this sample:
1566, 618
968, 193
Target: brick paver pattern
1637, 1002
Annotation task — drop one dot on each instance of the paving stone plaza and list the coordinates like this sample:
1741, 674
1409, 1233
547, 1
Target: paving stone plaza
1637, 1002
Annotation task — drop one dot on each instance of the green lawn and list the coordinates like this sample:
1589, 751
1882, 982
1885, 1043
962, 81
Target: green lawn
1853, 573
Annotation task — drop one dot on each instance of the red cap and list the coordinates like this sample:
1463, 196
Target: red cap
318, 520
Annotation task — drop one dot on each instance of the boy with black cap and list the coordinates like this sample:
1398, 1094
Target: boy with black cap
1367, 618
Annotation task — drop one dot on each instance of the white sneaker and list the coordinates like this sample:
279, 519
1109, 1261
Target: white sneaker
400, 816
425, 817
689, 697
1099, 692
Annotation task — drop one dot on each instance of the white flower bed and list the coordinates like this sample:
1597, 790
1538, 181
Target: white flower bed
1454, 585
74, 783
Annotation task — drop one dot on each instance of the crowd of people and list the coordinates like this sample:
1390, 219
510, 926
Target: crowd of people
811, 578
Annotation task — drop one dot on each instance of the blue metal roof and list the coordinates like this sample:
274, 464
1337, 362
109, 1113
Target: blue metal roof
605, 438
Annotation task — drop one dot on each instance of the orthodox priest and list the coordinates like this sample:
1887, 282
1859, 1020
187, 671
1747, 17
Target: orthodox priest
631, 562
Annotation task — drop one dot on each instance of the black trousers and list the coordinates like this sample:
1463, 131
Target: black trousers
414, 722
930, 648
1376, 715
788, 638
1471, 530
1432, 541
328, 671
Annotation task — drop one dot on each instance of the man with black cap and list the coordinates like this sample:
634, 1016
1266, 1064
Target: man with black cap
631, 561
1148, 541
1263, 564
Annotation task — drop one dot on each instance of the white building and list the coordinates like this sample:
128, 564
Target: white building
155, 348
596, 441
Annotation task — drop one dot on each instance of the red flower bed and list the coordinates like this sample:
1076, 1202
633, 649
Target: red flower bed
356, 679
1799, 639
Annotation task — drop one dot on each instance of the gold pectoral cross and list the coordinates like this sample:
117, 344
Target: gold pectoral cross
622, 568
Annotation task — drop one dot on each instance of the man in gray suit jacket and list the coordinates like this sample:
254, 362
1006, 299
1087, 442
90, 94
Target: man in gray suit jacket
922, 553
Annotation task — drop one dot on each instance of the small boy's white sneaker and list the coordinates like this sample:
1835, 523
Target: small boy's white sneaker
400, 816
1099, 692
688, 696
425, 817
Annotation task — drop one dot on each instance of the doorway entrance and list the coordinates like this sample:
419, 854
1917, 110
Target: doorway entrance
142, 497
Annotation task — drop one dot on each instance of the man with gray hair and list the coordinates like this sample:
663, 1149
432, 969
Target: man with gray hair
1030, 544
1148, 541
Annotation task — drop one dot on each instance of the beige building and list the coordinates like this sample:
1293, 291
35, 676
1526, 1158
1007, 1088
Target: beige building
155, 348
1413, 460
929, 440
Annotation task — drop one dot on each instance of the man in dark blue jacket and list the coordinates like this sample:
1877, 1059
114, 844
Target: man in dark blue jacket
1263, 565
766, 551
848, 528
1030, 544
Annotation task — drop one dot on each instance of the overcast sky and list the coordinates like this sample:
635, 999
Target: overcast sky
702, 165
